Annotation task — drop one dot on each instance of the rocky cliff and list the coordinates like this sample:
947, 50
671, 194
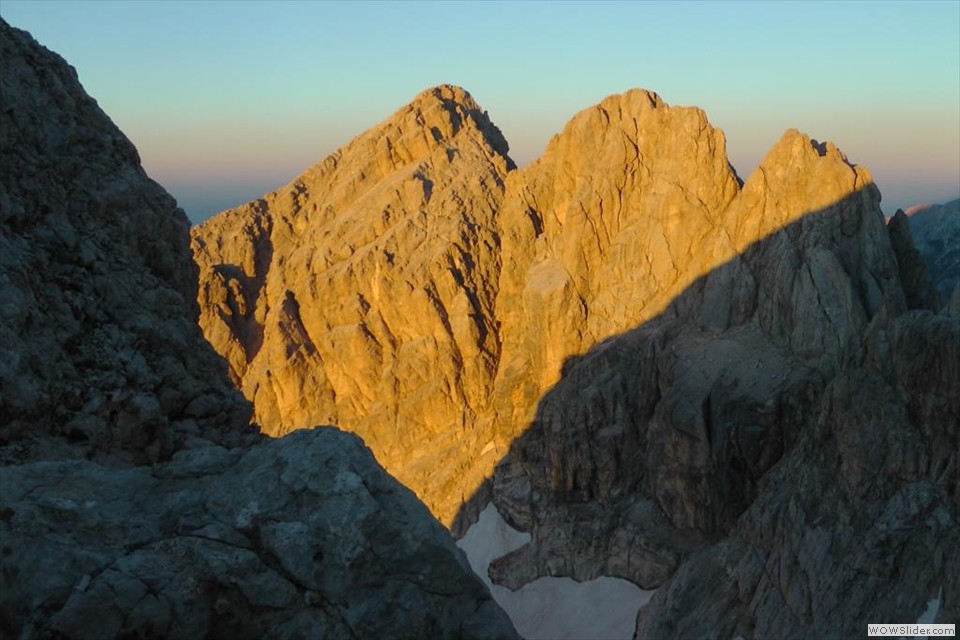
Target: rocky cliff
136, 501
300, 537
857, 521
362, 293
616, 218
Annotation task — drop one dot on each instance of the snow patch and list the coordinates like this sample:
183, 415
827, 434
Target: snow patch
552, 608
933, 608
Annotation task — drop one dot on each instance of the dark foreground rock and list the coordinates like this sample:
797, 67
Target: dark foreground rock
101, 355
301, 537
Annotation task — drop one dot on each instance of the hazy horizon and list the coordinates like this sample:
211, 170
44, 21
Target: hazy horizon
227, 101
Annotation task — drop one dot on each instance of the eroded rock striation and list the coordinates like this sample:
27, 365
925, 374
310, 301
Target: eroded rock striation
136, 499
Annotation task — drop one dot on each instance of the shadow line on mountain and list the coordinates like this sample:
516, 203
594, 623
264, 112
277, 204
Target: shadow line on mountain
660, 435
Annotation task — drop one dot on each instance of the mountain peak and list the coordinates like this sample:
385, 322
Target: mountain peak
399, 226
797, 141
446, 92
446, 110
817, 174
635, 99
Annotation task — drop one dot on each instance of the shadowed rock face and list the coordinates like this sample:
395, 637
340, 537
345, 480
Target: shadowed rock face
656, 439
101, 356
857, 522
301, 537
912, 264
936, 234
225, 534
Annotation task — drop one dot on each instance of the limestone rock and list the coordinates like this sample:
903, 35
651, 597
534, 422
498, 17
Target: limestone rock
362, 293
100, 355
300, 537
680, 364
616, 218
675, 434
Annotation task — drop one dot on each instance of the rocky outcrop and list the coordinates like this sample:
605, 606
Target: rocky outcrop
136, 500
936, 235
362, 293
101, 356
914, 273
600, 233
600, 247
300, 537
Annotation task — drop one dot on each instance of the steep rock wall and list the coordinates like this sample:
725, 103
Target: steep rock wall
362, 293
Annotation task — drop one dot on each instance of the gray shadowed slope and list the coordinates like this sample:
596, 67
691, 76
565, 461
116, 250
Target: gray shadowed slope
936, 234
135, 501
101, 356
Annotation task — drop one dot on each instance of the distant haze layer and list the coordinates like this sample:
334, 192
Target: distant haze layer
228, 100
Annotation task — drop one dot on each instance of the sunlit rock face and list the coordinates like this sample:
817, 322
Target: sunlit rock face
632, 203
655, 439
409, 290
362, 294
135, 500
618, 216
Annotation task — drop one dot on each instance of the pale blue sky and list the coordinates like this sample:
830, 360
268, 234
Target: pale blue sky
228, 100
